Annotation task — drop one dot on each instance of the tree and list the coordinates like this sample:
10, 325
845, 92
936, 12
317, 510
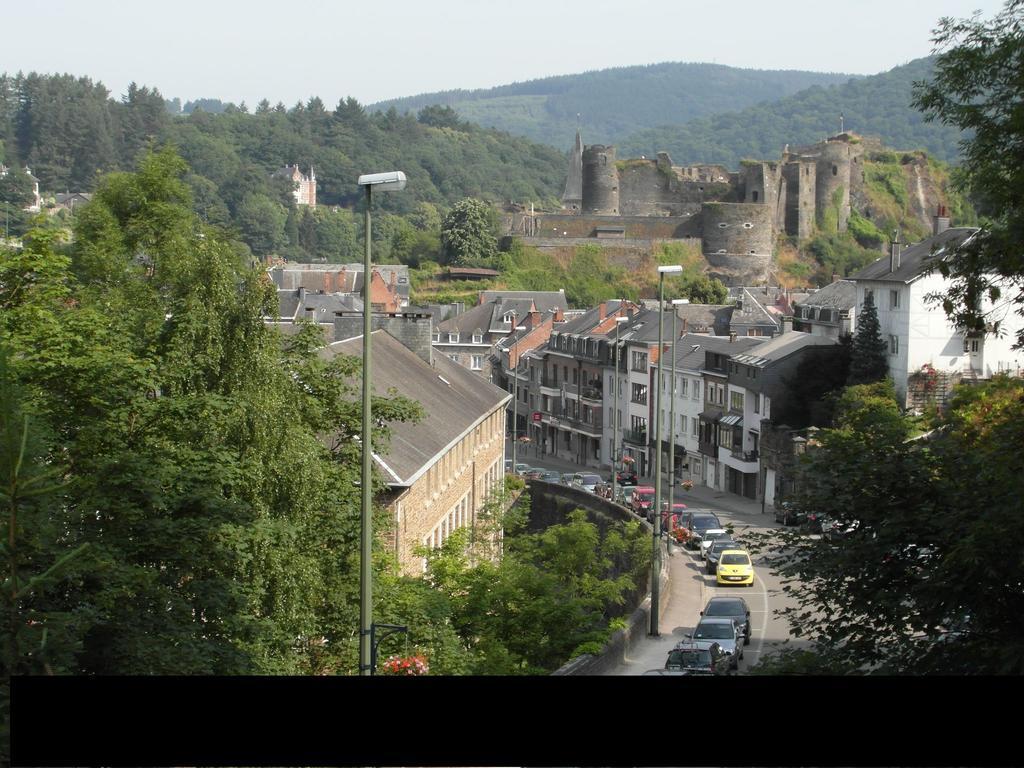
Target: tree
869, 361
908, 587
976, 87
15, 188
469, 234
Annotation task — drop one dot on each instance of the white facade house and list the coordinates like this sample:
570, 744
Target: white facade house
916, 329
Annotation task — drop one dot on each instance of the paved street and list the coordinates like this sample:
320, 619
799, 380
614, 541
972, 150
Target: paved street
691, 588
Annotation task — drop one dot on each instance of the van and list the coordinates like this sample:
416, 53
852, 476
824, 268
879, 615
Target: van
642, 500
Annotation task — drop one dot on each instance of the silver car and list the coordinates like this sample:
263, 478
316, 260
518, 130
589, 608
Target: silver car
721, 630
587, 481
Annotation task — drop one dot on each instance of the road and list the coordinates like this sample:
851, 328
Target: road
691, 588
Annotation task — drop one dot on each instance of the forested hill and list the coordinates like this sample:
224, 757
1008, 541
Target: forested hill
878, 105
614, 103
70, 130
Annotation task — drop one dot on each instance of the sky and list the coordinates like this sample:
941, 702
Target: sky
382, 49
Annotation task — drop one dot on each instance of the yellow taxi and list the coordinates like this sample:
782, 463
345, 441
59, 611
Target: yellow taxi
734, 567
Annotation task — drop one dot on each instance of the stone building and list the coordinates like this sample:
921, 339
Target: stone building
734, 215
440, 470
304, 189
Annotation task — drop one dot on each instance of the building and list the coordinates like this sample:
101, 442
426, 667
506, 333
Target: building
469, 338
296, 304
35, 205
440, 470
915, 328
304, 187
71, 201
830, 311
389, 286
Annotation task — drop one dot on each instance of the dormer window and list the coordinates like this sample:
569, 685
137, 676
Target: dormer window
478, 338
507, 318
453, 338
437, 337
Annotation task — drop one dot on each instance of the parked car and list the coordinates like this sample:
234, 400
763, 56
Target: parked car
626, 495
522, 469
699, 658
666, 672
734, 567
714, 553
567, 478
721, 630
696, 522
534, 473
787, 514
551, 476
586, 480
734, 608
709, 537
625, 477
642, 499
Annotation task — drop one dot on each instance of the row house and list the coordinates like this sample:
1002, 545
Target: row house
689, 397
915, 328
830, 311
440, 470
389, 283
469, 338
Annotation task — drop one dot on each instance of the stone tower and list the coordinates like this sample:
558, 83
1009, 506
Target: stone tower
600, 181
833, 182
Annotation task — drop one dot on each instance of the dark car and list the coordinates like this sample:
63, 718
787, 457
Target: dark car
734, 608
713, 553
625, 477
696, 523
787, 514
696, 658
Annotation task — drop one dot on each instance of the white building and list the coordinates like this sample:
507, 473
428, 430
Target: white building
917, 330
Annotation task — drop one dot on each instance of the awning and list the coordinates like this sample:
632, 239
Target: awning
710, 415
731, 419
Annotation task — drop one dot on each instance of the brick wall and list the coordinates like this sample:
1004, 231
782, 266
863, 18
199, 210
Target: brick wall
433, 505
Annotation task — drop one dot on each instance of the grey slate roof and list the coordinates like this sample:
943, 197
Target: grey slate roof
715, 317
753, 312
473, 320
293, 304
782, 346
919, 258
453, 399
688, 357
842, 294
544, 300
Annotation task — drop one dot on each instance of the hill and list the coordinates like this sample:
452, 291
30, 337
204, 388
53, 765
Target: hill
877, 106
614, 103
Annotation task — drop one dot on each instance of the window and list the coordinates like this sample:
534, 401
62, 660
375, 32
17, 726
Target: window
453, 358
477, 362
639, 361
683, 383
869, 295
693, 425
478, 338
721, 394
696, 389
754, 200
639, 394
757, 403
453, 338
437, 336
972, 345
736, 401
894, 299
575, 376
894, 345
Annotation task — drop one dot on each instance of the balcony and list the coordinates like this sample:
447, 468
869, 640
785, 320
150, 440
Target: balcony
639, 437
591, 393
592, 427
742, 455
550, 382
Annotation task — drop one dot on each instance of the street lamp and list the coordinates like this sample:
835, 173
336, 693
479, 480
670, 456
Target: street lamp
615, 416
393, 181
672, 419
656, 541
515, 391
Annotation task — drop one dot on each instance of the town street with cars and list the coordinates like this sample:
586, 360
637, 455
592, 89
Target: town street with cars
691, 587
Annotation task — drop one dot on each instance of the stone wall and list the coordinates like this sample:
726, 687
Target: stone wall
833, 179
801, 178
413, 329
552, 225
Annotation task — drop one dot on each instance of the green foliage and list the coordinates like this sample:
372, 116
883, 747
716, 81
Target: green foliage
910, 587
614, 102
808, 395
869, 359
469, 234
879, 105
976, 88
865, 232
840, 254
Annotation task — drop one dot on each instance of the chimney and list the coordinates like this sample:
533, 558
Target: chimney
835, 277
534, 318
787, 323
559, 316
894, 251
732, 336
940, 222
602, 310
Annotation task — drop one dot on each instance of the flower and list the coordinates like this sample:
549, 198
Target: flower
406, 665
686, 485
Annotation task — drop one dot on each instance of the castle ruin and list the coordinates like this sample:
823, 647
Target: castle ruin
735, 215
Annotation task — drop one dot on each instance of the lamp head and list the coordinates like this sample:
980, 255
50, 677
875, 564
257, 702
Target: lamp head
391, 181
671, 269
677, 302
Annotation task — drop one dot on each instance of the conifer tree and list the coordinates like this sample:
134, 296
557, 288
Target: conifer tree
869, 362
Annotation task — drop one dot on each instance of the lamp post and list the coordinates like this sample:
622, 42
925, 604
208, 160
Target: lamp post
392, 181
656, 540
672, 420
615, 416
515, 392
